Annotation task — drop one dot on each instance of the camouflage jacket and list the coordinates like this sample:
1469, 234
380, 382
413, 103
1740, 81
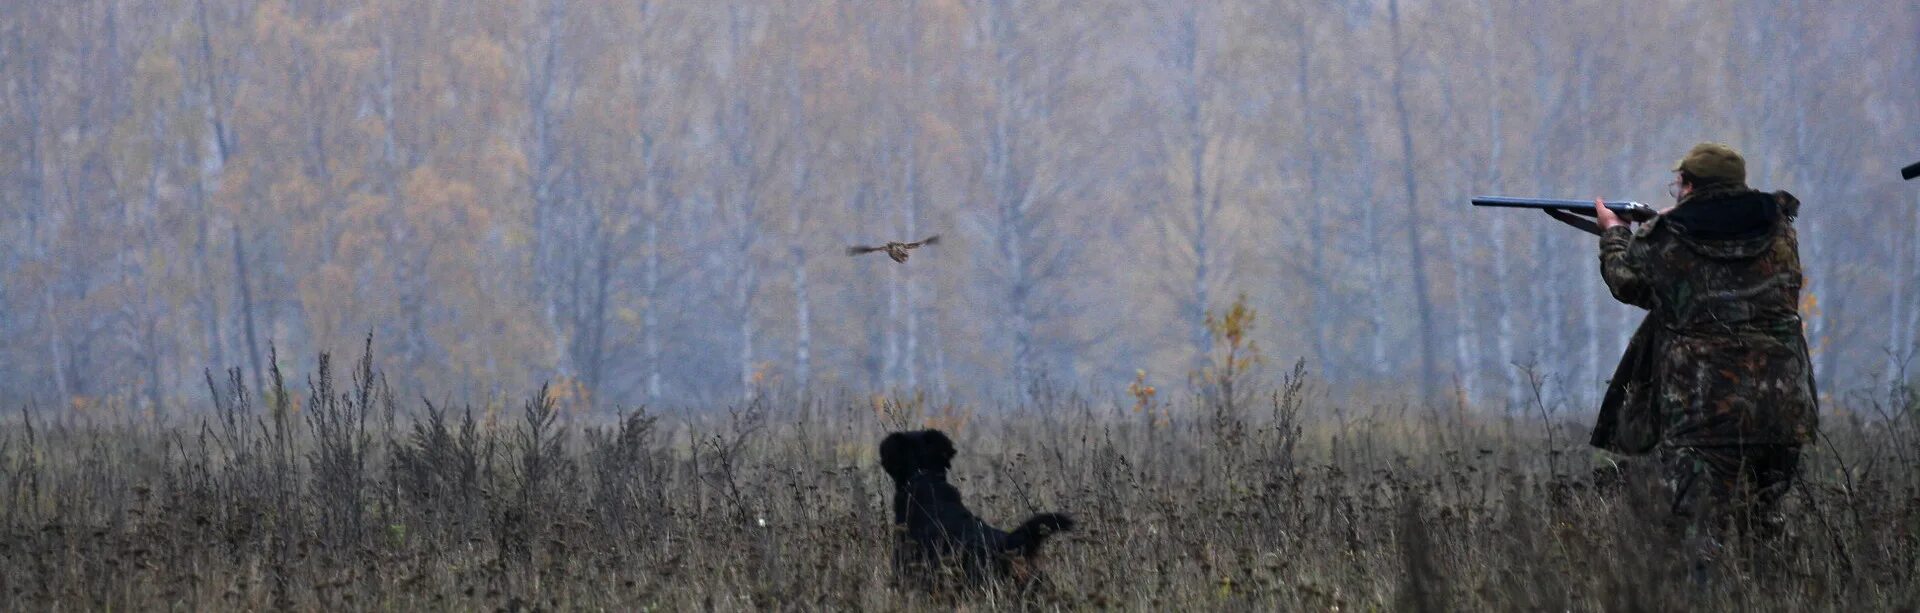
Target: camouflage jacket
1721, 358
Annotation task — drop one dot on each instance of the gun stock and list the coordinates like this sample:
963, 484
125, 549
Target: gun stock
1911, 171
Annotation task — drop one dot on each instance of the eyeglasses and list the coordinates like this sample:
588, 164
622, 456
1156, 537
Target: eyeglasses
1673, 189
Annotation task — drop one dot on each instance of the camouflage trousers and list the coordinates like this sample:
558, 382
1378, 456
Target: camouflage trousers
1719, 492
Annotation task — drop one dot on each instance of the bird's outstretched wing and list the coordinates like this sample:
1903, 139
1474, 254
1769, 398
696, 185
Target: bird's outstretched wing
858, 249
931, 240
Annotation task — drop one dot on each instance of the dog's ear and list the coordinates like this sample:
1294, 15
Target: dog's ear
897, 456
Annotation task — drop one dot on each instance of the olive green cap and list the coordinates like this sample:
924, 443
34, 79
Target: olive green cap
1713, 163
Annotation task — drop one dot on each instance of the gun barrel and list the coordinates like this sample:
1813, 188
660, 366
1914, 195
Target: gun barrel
1911, 171
1628, 209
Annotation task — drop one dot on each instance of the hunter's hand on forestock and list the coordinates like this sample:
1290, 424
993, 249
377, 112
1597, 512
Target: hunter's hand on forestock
1605, 216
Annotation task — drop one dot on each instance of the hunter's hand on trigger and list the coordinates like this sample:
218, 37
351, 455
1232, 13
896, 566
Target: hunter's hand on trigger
1605, 216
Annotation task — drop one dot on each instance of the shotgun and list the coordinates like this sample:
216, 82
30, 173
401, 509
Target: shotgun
1576, 213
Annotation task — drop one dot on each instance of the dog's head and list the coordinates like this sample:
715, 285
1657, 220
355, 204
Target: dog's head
904, 454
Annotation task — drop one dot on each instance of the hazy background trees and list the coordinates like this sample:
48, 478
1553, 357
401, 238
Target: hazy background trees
645, 201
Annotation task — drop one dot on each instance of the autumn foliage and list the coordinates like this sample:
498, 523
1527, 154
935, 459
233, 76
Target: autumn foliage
647, 199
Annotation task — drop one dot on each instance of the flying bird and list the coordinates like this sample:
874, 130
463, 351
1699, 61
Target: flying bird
896, 250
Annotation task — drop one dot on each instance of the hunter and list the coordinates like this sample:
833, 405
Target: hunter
1716, 383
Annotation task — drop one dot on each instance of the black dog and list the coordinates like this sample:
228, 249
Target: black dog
938, 530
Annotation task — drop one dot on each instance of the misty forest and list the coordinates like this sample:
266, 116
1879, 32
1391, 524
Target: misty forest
648, 202
581, 268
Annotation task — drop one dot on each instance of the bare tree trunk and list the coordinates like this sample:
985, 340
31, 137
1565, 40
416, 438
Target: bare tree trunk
1542, 294
1503, 313
202, 269
544, 170
1423, 301
1898, 341
1502, 265
939, 358
152, 342
746, 274
939, 350
1010, 199
1377, 365
1832, 311
1466, 320
1017, 295
654, 204
1500, 307
216, 107
740, 194
796, 225
1594, 371
744, 284
1201, 338
1321, 291
1905, 317
203, 175
56, 345
803, 321
910, 195
650, 309
408, 266
892, 368
890, 339
38, 237
1546, 292
911, 351
1199, 236
597, 320
802, 294
1589, 374
246, 306
153, 352
872, 317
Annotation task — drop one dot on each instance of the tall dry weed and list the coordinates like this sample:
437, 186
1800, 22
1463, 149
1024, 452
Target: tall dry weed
345, 497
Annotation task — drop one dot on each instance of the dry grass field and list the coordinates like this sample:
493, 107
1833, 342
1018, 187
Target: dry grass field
351, 498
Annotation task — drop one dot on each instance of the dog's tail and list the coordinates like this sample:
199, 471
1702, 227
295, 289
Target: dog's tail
1026, 539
